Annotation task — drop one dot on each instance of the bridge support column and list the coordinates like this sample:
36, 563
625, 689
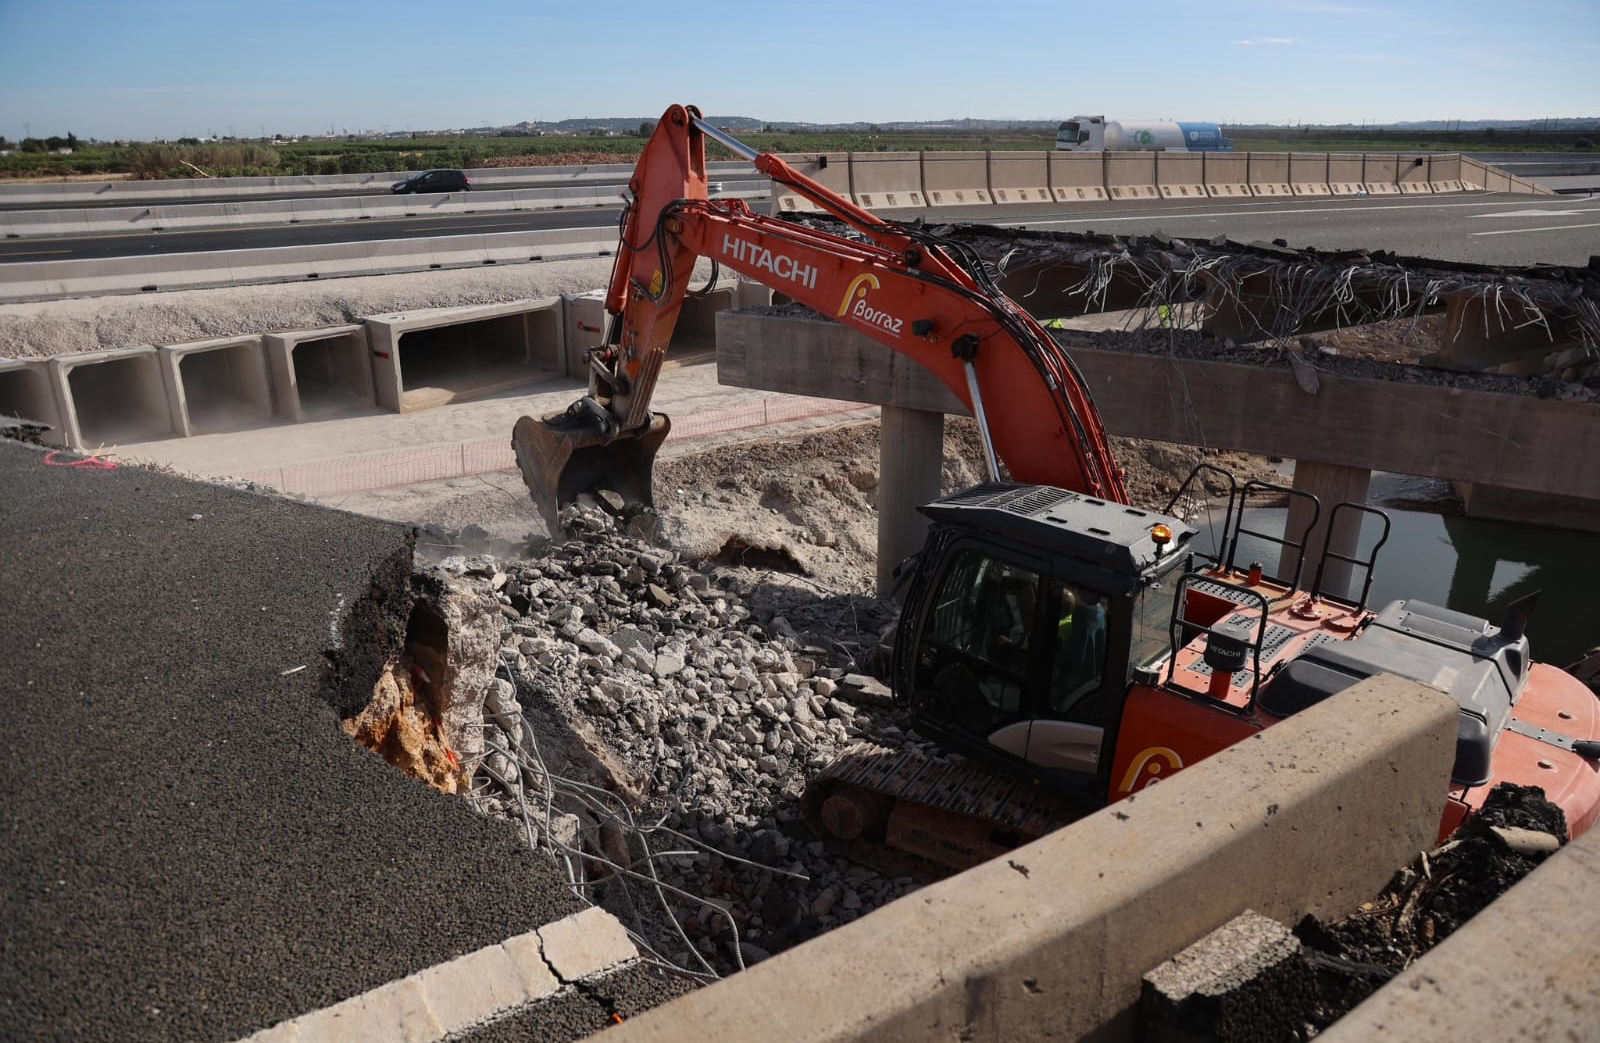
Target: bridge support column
1331, 484
910, 460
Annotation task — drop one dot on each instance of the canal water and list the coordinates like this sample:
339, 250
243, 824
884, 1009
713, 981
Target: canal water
1467, 564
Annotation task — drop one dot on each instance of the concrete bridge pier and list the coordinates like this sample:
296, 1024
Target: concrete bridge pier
910, 459
1331, 484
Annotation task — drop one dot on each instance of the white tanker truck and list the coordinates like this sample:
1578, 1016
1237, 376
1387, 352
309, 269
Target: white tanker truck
1097, 134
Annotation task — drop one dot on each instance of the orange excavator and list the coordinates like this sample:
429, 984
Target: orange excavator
1072, 648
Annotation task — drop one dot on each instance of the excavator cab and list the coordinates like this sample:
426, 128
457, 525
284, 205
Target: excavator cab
1029, 614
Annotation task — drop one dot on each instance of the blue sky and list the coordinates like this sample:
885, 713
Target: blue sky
165, 68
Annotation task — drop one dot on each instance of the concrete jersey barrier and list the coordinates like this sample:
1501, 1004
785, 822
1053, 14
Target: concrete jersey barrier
1131, 175
1227, 176
1269, 174
1051, 941
1181, 175
1380, 173
1020, 177
830, 169
1308, 174
1077, 177
886, 180
1346, 173
1412, 175
956, 178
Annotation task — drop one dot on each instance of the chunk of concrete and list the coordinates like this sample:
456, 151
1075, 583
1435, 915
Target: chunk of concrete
586, 943
472, 988
1247, 980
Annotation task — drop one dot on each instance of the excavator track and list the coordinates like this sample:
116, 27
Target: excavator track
944, 810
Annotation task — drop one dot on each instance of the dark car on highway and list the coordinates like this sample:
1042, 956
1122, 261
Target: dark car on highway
433, 181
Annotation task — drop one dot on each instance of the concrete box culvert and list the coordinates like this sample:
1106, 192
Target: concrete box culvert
26, 393
431, 358
320, 374
106, 397
216, 385
697, 322
586, 321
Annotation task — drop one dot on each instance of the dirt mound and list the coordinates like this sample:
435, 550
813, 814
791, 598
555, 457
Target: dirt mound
806, 506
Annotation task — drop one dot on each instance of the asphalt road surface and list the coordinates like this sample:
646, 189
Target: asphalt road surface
143, 244
377, 188
1498, 229
1494, 229
193, 850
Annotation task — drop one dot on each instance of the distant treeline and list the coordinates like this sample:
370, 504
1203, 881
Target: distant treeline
187, 158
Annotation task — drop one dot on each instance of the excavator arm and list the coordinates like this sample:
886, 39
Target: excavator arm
904, 286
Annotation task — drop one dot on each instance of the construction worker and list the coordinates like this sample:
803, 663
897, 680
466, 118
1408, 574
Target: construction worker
1080, 651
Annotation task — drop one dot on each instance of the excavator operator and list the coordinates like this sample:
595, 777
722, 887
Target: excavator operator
1080, 653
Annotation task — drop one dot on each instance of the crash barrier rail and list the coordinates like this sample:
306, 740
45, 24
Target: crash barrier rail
898, 180
199, 190
27, 224
402, 467
48, 280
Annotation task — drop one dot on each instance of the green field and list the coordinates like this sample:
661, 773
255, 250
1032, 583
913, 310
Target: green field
351, 156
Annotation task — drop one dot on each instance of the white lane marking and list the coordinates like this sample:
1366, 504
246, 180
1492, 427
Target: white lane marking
1543, 213
1519, 231
1157, 214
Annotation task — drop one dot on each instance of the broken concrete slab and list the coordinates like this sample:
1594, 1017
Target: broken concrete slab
585, 944
1247, 980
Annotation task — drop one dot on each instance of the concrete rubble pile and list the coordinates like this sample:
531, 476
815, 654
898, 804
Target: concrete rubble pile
634, 671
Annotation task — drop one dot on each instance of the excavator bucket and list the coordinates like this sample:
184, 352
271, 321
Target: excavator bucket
565, 455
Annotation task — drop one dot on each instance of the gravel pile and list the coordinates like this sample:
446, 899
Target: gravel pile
706, 718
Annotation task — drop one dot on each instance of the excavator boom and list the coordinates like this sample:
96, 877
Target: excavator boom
902, 286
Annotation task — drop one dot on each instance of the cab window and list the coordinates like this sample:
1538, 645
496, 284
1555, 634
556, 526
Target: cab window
1078, 660
977, 645
1152, 618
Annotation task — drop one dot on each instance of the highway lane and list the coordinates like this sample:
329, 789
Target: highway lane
1483, 229
136, 244
1497, 229
112, 199
1572, 164
614, 184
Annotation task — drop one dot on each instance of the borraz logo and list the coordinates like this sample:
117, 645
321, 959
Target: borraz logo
855, 304
780, 265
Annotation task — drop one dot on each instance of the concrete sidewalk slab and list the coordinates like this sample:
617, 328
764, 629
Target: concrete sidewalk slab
452, 998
